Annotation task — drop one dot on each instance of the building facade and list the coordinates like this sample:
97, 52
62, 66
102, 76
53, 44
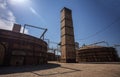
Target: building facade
51, 56
20, 49
68, 53
96, 54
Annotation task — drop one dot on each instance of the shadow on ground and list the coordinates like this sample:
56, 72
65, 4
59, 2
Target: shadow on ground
70, 70
20, 69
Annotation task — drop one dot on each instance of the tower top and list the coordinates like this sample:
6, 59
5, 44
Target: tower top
66, 9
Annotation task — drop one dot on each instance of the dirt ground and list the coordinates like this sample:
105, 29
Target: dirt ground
55, 69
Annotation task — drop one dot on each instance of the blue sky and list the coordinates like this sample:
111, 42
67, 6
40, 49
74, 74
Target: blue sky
89, 17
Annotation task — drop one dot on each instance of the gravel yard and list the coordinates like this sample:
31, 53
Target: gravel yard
55, 69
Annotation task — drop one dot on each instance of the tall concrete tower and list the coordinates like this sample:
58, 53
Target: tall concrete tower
68, 54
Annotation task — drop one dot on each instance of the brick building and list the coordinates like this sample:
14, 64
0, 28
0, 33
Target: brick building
96, 54
21, 49
51, 56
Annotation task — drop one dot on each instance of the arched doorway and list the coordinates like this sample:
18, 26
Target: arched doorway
2, 52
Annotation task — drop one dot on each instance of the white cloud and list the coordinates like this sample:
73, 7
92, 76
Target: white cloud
38, 15
34, 11
3, 4
7, 17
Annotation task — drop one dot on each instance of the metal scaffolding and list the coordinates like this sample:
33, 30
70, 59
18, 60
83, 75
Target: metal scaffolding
42, 36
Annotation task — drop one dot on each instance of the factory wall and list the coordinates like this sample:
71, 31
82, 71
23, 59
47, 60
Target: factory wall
97, 54
21, 49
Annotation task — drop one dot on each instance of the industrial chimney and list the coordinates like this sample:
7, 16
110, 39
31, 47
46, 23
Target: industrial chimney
68, 54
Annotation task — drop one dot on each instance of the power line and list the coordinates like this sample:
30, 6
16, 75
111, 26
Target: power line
102, 30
